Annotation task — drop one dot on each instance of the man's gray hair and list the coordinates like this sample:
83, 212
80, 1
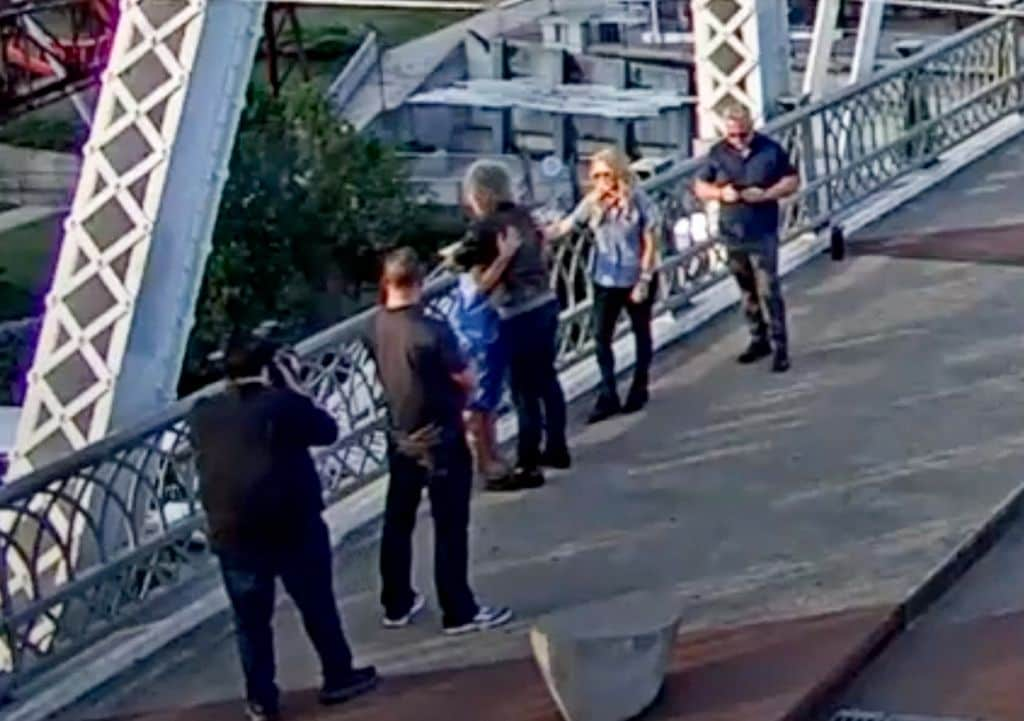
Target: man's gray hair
489, 183
738, 111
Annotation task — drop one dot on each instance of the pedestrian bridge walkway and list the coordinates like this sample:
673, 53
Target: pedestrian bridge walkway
753, 497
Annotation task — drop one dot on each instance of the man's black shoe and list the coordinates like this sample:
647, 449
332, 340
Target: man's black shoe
780, 364
526, 478
556, 457
358, 682
261, 712
522, 479
757, 350
636, 401
603, 410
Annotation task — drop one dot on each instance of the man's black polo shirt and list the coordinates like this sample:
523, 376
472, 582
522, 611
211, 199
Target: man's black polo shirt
416, 359
766, 163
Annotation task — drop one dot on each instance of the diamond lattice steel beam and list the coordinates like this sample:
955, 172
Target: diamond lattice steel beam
742, 56
131, 262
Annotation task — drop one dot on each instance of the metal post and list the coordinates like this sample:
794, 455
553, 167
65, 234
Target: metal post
270, 38
656, 36
300, 49
865, 53
809, 163
825, 25
380, 76
869, 32
916, 100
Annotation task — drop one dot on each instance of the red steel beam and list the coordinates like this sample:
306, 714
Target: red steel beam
53, 49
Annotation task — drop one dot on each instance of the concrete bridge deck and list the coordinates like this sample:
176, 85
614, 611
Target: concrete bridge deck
754, 497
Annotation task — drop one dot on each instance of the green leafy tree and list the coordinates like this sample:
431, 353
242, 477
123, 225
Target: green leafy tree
309, 207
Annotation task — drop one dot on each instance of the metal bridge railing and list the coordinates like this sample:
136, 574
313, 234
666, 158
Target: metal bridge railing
128, 506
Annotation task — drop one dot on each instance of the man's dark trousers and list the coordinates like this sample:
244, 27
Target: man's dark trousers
449, 485
304, 567
533, 380
756, 270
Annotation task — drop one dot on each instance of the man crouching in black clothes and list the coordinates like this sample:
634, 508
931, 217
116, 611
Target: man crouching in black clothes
263, 503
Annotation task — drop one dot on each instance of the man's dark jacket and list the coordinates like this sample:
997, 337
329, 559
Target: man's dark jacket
257, 481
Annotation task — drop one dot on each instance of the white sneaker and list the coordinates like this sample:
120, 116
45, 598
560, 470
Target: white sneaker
486, 618
418, 602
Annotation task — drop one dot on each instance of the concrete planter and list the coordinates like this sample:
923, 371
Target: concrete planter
607, 661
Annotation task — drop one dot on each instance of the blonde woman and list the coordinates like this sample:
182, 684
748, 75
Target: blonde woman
622, 221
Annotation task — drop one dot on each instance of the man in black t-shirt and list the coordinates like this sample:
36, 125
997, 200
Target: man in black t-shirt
426, 383
748, 174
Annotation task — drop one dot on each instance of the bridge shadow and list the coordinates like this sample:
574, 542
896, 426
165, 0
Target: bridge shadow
992, 245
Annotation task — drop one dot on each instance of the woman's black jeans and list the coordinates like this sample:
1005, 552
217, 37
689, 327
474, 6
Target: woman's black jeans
608, 306
532, 339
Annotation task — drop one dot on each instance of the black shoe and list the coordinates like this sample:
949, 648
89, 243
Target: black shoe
603, 410
261, 712
780, 364
522, 479
556, 457
358, 682
636, 401
757, 350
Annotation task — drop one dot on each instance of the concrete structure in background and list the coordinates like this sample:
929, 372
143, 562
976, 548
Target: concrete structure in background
744, 48
536, 92
564, 107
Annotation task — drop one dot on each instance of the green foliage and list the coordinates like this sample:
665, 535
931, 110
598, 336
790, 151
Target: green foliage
16, 345
64, 134
308, 210
27, 253
326, 43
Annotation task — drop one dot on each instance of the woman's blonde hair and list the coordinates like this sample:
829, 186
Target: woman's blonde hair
619, 164
489, 183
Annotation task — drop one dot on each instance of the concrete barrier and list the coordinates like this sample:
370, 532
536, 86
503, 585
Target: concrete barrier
607, 661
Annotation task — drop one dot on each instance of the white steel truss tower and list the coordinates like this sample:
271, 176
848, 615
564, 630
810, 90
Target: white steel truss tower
123, 293
121, 301
742, 56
